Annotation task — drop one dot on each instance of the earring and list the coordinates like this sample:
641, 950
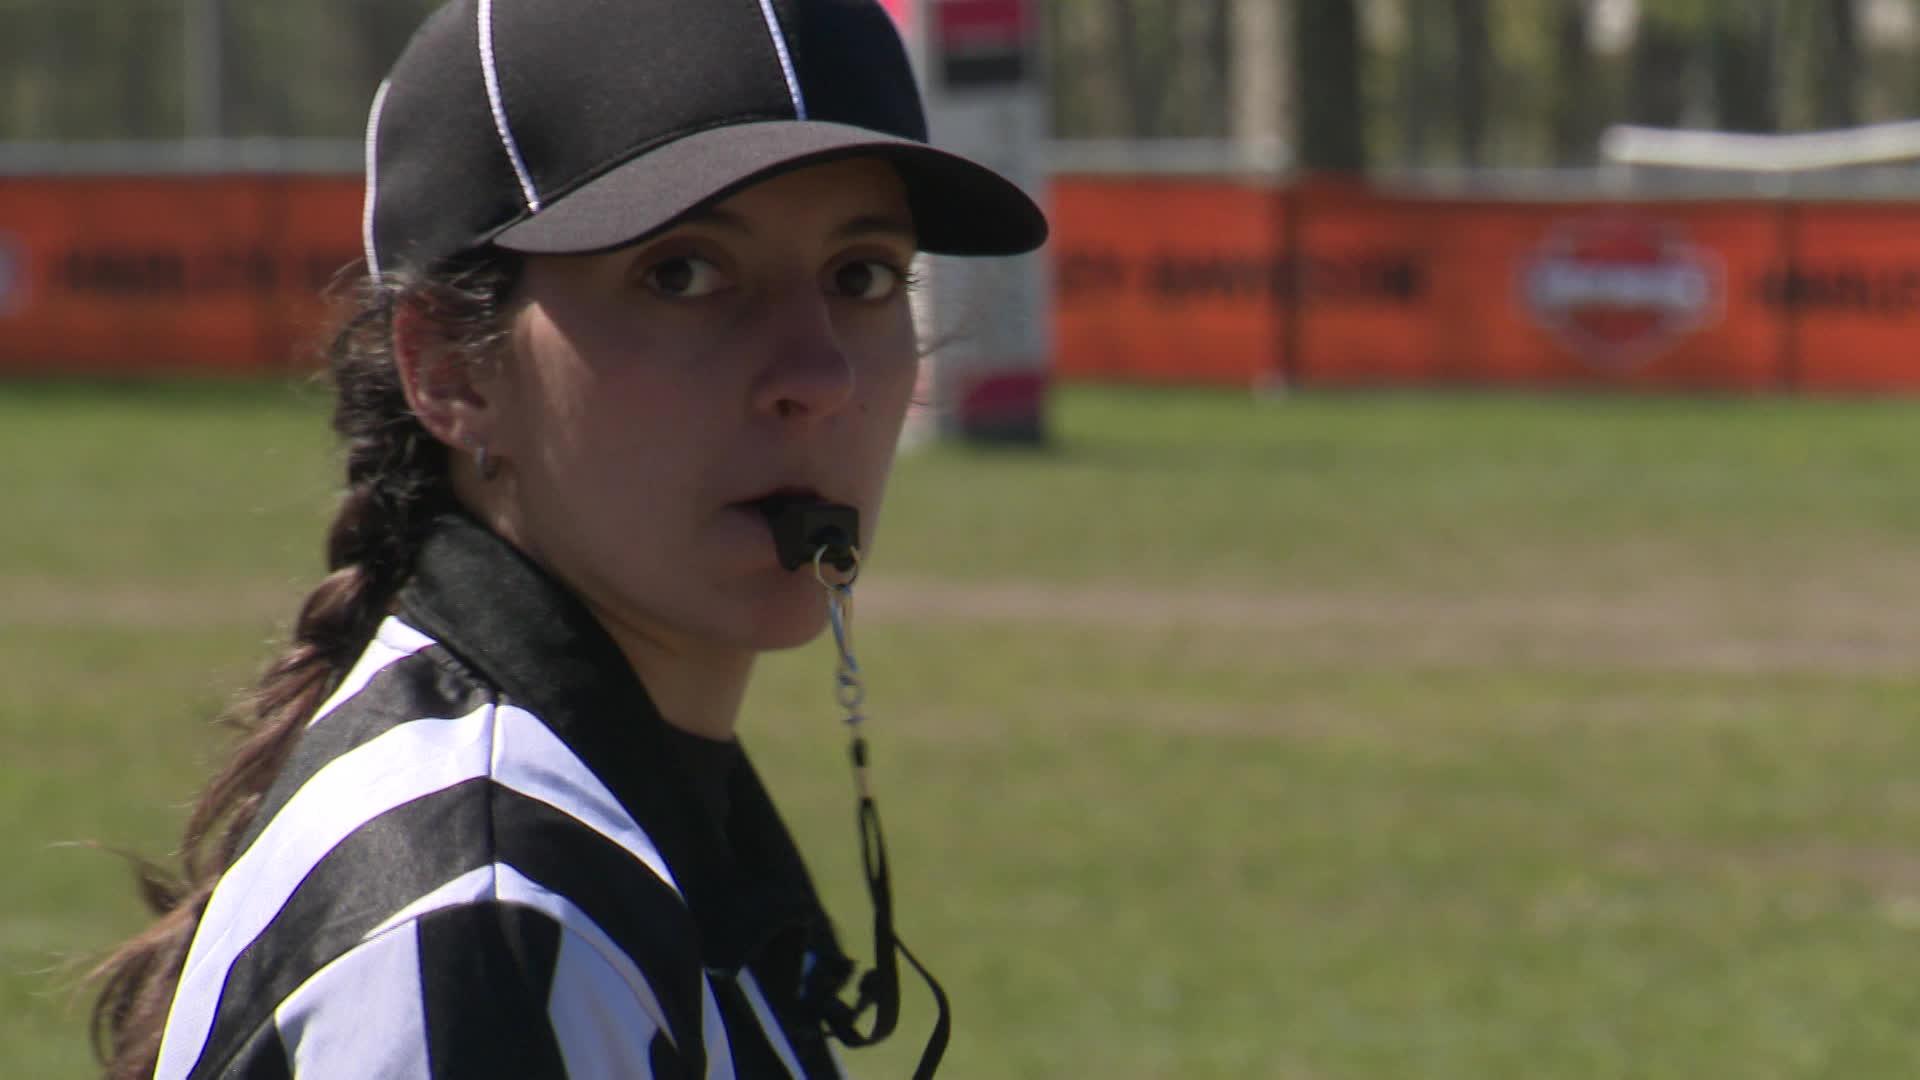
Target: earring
487, 467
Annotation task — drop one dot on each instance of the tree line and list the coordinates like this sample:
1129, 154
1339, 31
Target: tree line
1500, 83
146, 69
1344, 83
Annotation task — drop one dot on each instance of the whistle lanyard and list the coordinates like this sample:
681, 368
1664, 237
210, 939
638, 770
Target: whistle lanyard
880, 987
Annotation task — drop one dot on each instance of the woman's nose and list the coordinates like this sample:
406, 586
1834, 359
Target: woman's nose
808, 374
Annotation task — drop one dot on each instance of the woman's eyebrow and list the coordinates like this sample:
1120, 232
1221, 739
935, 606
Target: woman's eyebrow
870, 224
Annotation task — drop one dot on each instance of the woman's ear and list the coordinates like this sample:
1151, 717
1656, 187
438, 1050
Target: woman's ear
447, 387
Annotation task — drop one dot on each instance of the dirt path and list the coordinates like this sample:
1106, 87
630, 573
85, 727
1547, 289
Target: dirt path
1673, 626
1682, 625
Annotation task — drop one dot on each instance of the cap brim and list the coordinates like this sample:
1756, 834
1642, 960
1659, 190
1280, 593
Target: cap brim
959, 207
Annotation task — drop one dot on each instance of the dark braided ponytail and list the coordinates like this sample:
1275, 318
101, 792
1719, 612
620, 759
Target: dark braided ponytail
397, 482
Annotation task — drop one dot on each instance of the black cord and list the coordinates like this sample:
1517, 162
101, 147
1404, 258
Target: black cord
880, 987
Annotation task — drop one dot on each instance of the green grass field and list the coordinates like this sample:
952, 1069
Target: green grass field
1333, 737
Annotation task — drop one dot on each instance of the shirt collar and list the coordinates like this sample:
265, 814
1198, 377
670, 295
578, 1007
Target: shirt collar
520, 629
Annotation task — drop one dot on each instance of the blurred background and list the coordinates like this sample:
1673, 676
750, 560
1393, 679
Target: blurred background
1418, 579
1478, 83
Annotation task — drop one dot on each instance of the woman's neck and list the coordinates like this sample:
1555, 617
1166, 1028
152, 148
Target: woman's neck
698, 691
697, 688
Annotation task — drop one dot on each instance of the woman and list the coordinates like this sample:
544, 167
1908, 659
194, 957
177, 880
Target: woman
636, 290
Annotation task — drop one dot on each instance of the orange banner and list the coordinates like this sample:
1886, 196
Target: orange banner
1849, 292
1342, 286
1158, 280
1165, 280
113, 275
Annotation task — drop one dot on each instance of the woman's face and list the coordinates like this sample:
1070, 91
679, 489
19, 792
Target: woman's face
654, 393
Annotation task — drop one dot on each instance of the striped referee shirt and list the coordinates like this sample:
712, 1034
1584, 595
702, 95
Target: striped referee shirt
483, 860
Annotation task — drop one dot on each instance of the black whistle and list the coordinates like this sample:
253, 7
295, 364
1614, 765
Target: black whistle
802, 527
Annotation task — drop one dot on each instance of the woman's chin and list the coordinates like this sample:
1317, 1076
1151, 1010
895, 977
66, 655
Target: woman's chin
788, 619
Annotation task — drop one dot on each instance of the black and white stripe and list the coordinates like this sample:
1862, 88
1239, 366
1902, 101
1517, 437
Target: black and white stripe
439, 886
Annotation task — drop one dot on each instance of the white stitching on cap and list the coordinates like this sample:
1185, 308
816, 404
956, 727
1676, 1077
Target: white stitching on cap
786, 59
373, 175
499, 107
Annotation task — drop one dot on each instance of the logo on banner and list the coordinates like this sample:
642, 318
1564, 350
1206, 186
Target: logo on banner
13, 277
1619, 291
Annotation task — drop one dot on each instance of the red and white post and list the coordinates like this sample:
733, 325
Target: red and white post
985, 321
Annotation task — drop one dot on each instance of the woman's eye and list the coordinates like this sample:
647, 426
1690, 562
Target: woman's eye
866, 279
684, 276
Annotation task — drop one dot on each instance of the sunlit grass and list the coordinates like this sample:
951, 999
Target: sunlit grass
1332, 737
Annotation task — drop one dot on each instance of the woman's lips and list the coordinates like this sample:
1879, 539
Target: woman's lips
780, 500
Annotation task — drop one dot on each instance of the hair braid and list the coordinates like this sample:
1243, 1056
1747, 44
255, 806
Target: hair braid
397, 483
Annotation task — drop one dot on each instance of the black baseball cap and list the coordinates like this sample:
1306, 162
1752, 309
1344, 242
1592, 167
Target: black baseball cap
572, 126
